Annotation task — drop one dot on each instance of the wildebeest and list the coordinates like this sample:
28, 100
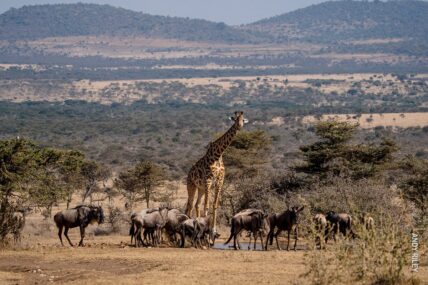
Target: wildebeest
173, 224
287, 220
137, 218
252, 220
187, 229
18, 223
338, 222
152, 222
80, 216
320, 227
203, 231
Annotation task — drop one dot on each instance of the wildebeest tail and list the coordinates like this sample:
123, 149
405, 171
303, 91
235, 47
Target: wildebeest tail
232, 231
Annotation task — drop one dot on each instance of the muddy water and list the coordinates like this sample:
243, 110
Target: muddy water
244, 246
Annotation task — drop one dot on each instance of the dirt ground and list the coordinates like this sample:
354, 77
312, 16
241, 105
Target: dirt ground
109, 260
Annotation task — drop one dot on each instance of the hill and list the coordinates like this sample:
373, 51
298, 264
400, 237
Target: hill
348, 20
41, 21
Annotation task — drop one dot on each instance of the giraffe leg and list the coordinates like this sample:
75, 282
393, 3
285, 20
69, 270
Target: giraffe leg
191, 189
198, 202
207, 190
217, 191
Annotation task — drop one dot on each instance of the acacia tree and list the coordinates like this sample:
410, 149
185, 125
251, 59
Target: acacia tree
72, 162
244, 161
141, 182
247, 154
334, 155
92, 173
29, 175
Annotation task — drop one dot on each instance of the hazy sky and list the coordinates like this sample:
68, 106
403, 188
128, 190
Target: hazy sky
232, 12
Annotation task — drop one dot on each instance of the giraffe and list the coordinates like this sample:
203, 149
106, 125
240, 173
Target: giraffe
208, 172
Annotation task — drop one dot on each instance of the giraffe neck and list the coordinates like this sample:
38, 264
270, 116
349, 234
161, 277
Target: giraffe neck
217, 148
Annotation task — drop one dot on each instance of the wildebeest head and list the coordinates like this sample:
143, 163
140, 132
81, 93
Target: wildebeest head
295, 211
97, 214
213, 235
331, 216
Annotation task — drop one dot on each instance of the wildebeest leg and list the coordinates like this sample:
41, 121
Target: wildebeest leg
249, 243
296, 232
335, 230
60, 234
237, 240
276, 238
82, 235
159, 235
138, 240
267, 239
152, 238
182, 236
255, 240
66, 235
132, 231
327, 233
261, 240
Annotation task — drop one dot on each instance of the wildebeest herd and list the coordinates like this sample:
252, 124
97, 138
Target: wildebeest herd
207, 175
149, 226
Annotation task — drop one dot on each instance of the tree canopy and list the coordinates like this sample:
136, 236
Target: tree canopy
334, 154
140, 182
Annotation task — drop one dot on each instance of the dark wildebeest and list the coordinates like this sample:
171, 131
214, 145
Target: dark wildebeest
18, 223
173, 225
287, 220
80, 216
187, 229
252, 220
203, 231
338, 222
320, 227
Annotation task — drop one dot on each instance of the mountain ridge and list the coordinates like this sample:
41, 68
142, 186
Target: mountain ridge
53, 20
345, 20
325, 22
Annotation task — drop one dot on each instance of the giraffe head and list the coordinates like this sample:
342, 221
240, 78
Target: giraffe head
239, 119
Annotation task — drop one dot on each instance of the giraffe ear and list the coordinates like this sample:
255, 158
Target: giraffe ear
232, 118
